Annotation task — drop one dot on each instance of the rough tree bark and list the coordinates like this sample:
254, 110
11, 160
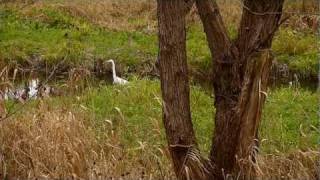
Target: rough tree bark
240, 72
175, 90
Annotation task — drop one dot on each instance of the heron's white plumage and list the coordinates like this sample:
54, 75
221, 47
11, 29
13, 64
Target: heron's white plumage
116, 79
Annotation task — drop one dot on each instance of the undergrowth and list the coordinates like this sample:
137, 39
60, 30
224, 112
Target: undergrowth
117, 131
299, 50
56, 36
289, 117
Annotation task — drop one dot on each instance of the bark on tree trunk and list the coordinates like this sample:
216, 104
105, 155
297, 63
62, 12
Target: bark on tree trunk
187, 161
241, 71
249, 110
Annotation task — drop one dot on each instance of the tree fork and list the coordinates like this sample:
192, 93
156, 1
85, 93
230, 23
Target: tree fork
241, 70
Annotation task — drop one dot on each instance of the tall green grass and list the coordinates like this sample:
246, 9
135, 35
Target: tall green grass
137, 107
289, 121
59, 36
297, 49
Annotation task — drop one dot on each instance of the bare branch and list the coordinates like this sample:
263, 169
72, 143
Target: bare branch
256, 30
218, 39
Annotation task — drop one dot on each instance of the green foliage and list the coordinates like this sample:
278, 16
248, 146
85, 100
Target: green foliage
290, 120
140, 113
56, 36
297, 49
197, 48
127, 108
22, 39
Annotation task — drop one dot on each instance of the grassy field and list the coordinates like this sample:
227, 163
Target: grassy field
121, 122
95, 130
289, 118
50, 32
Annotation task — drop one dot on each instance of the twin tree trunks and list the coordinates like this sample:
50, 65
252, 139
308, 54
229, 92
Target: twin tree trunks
240, 73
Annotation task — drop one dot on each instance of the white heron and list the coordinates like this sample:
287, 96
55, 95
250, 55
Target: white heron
116, 79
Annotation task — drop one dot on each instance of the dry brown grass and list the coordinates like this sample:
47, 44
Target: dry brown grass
115, 14
302, 165
125, 15
121, 15
59, 144
140, 15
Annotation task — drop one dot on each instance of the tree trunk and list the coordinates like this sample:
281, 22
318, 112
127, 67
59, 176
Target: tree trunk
187, 161
241, 71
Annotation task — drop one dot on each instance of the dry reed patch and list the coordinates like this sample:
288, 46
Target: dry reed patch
231, 11
138, 15
141, 15
123, 15
45, 144
295, 165
60, 144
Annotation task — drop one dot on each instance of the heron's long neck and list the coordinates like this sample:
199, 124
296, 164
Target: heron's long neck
113, 70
